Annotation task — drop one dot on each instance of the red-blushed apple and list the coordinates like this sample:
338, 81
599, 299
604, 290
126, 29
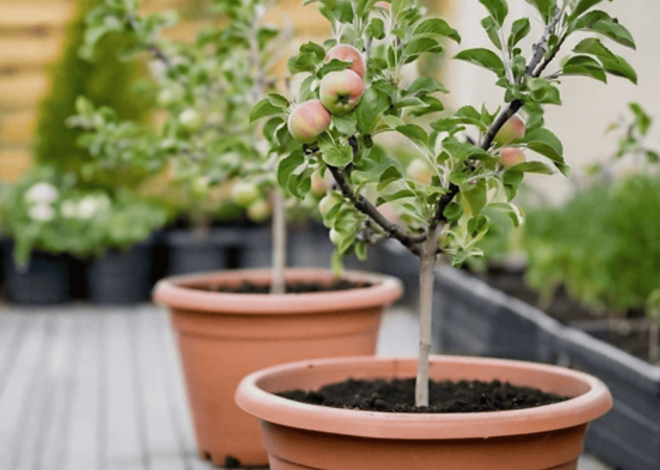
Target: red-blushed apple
383, 5
319, 186
348, 53
259, 210
245, 193
420, 171
341, 91
308, 121
512, 130
511, 156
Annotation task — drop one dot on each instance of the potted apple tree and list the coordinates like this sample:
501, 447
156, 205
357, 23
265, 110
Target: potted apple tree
479, 159
227, 325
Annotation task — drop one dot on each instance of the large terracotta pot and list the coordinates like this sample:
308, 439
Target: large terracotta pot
223, 337
302, 436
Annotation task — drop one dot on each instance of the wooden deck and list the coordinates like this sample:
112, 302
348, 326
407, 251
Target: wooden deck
86, 388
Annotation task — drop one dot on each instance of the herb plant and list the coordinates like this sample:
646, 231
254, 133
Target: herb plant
348, 100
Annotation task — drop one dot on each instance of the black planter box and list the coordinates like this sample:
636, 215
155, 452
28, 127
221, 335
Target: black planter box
628, 437
121, 277
44, 281
473, 318
192, 252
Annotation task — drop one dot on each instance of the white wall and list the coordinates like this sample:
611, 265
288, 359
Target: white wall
589, 106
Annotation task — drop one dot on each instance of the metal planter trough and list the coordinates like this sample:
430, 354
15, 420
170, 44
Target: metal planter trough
473, 318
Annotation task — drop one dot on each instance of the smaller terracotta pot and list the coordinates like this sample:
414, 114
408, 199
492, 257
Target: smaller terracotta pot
301, 436
223, 337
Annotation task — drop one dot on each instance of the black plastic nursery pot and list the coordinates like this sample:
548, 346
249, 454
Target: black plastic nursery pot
473, 318
192, 251
121, 277
44, 281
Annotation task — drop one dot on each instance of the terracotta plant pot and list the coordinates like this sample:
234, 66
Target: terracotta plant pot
223, 337
301, 436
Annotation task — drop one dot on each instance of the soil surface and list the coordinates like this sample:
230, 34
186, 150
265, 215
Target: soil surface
398, 396
247, 287
625, 330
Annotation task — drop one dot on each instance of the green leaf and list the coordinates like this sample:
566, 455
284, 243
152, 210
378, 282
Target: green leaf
545, 143
492, 30
533, 167
313, 48
545, 7
642, 119
335, 65
543, 91
612, 63
582, 6
288, 165
278, 100
303, 62
424, 85
600, 22
377, 28
477, 226
346, 124
585, 66
265, 108
390, 175
498, 9
420, 45
483, 58
519, 31
475, 195
414, 133
338, 156
404, 193
516, 215
372, 105
453, 211
438, 27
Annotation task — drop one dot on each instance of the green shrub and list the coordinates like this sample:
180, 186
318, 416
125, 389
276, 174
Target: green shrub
603, 244
106, 81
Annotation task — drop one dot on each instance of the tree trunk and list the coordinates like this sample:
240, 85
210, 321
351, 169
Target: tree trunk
426, 284
278, 285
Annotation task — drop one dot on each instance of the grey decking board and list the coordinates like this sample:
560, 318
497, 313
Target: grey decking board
164, 448
82, 447
123, 433
12, 333
21, 387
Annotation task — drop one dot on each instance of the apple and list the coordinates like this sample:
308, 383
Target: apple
308, 121
383, 5
335, 237
259, 210
511, 156
245, 193
341, 91
348, 53
420, 171
512, 130
319, 185
190, 120
328, 202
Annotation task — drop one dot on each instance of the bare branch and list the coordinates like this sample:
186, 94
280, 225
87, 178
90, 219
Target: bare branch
362, 204
541, 47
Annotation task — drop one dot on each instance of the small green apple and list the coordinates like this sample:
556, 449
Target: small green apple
511, 156
513, 130
245, 193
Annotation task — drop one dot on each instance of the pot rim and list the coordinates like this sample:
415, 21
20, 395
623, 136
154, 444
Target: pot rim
175, 292
253, 399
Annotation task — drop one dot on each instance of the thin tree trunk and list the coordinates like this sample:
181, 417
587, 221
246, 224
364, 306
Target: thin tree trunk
654, 347
426, 282
278, 285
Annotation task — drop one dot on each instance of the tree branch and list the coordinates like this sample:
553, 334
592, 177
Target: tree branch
541, 47
366, 207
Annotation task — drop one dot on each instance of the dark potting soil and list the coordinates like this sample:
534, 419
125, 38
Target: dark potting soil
569, 311
398, 396
299, 287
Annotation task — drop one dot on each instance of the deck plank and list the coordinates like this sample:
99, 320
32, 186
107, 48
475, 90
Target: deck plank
12, 332
124, 421
82, 445
165, 447
21, 390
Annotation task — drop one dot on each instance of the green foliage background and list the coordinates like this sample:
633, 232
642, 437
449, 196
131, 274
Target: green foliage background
105, 81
